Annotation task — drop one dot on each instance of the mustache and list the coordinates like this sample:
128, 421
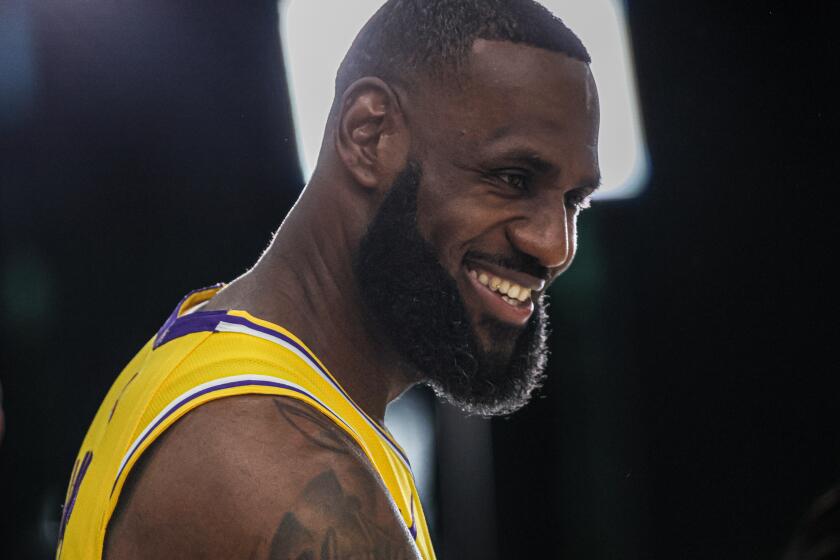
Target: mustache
517, 261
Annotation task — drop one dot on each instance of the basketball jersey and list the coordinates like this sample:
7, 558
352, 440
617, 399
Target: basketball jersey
195, 358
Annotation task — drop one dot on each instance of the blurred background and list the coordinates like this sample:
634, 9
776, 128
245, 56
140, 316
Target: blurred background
149, 148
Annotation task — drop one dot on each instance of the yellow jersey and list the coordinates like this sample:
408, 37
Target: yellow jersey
195, 358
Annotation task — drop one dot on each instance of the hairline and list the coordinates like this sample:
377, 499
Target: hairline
454, 70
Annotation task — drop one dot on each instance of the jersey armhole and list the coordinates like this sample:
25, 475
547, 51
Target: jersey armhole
240, 385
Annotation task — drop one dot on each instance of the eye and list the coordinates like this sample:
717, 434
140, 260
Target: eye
579, 199
517, 179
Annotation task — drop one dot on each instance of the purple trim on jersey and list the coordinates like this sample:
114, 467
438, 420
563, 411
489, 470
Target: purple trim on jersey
207, 321
70, 488
116, 402
200, 321
251, 325
257, 382
413, 527
174, 315
77, 483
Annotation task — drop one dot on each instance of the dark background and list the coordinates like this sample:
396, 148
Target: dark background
147, 150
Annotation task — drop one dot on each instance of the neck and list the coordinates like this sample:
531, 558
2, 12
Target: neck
305, 283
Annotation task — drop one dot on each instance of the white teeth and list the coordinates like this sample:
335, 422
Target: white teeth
513, 294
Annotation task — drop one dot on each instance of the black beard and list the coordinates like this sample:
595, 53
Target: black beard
417, 305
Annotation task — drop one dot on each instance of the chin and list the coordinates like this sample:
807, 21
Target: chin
506, 373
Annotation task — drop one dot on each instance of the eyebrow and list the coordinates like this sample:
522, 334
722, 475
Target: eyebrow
542, 166
530, 156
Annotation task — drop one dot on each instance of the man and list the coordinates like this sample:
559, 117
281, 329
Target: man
460, 148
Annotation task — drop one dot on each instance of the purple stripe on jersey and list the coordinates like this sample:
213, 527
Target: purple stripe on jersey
77, 483
251, 325
413, 527
122, 391
174, 315
181, 403
200, 321
207, 321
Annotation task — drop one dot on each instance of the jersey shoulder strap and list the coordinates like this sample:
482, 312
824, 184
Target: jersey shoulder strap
195, 358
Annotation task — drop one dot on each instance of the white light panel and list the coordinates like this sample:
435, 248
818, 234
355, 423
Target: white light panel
317, 33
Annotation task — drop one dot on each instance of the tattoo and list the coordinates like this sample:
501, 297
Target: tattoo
289, 537
349, 534
329, 548
329, 437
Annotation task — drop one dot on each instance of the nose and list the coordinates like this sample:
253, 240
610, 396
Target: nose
546, 233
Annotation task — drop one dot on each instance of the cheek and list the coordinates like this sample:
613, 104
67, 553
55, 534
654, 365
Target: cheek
443, 223
456, 212
444, 212
458, 223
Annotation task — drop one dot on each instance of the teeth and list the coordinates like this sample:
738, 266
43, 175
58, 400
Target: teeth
512, 293
510, 301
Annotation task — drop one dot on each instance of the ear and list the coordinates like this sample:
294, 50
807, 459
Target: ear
372, 138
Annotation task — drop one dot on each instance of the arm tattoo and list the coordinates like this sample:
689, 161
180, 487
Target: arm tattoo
329, 437
350, 533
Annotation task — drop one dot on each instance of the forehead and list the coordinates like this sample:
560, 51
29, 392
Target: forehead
511, 93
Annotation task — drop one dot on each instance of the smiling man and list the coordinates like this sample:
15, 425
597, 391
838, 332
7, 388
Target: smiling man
461, 146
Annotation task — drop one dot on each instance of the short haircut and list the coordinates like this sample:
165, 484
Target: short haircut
408, 39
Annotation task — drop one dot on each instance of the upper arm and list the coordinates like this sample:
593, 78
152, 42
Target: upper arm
256, 477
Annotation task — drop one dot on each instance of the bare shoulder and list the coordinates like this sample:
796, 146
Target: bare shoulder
256, 477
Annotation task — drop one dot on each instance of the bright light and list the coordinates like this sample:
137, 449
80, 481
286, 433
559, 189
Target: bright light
314, 46
410, 419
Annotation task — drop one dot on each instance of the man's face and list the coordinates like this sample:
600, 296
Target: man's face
456, 262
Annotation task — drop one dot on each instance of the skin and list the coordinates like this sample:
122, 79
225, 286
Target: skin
532, 122
256, 477
508, 154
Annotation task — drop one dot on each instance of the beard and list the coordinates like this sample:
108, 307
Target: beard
417, 306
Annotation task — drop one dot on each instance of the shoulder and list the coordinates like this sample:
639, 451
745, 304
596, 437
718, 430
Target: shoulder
255, 477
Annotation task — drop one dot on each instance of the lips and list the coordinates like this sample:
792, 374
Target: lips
501, 296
